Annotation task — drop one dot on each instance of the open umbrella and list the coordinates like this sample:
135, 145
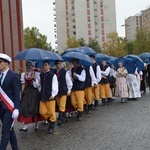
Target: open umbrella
32, 54
85, 50
52, 57
83, 59
145, 55
137, 60
99, 57
127, 63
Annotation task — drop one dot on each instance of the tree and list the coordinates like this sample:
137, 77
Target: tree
33, 38
131, 47
94, 44
82, 42
115, 46
142, 42
72, 42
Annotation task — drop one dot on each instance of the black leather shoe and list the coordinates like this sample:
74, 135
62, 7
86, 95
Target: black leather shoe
23, 129
50, 131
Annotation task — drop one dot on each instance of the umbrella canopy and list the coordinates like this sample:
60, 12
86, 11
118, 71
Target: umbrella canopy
99, 57
137, 60
32, 54
145, 55
52, 57
127, 63
83, 59
85, 50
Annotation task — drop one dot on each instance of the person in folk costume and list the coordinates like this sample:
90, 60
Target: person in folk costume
29, 106
65, 86
78, 76
112, 80
97, 72
10, 84
90, 81
121, 83
148, 78
133, 82
143, 81
49, 90
104, 83
69, 108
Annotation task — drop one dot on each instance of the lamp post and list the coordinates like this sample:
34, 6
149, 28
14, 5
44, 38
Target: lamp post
126, 40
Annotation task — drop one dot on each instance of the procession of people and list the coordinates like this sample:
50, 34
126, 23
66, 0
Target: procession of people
53, 92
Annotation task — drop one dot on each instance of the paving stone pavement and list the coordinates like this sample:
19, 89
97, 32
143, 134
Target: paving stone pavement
116, 127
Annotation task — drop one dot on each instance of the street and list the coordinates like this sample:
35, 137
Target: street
116, 127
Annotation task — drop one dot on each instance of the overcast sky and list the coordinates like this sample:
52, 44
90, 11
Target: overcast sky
39, 13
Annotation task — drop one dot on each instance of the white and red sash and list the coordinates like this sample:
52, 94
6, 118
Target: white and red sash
6, 100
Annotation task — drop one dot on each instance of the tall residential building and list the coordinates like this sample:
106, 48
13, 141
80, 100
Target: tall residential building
11, 29
85, 19
132, 24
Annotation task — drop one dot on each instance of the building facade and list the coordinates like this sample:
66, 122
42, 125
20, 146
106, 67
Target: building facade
87, 19
11, 30
134, 23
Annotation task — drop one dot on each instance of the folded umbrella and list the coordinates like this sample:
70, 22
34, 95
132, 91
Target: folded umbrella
83, 59
137, 60
127, 63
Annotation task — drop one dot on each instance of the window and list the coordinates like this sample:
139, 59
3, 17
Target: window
88, 12
89, 25
107, 21
89, 32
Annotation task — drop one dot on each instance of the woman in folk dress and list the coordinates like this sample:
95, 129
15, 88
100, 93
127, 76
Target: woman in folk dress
29, 106
121, 83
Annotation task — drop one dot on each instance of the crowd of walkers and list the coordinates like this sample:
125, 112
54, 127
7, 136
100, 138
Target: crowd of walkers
65, 89
71, 88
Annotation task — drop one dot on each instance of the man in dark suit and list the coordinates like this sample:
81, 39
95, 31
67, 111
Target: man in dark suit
10, 84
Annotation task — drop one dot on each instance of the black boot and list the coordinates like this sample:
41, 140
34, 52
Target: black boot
79, 116
60, 118
86, 109
64, 117
109, 101
95, 104
103, 102
89, 108
51, 128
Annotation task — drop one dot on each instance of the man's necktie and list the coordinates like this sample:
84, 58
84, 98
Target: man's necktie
1, 78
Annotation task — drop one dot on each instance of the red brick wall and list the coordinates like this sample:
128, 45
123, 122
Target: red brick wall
11, 30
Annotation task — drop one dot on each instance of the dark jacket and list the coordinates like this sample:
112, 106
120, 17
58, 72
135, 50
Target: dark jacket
11, 86
88, 80
46, 85
105, 81
61, 76
77, 85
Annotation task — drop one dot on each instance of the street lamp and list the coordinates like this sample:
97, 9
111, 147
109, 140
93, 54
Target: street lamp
126, 40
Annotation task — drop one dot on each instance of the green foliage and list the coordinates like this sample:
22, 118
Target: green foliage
142, 42
33, 38
115, 46
72, 42
82, 42
94, 44
131, 47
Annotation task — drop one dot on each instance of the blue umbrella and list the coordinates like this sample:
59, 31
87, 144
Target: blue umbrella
147, 61
83, 59
52, 57
127, 63
32, 54
85, 50
145, 55
137, 60
99, 57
